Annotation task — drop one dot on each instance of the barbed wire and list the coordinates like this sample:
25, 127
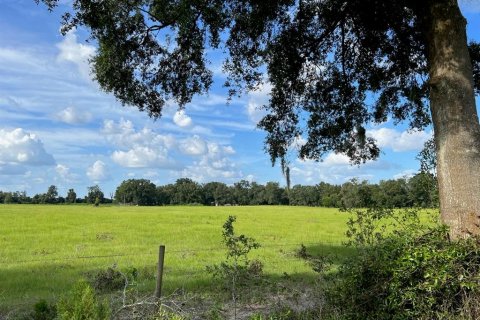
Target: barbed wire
183, 251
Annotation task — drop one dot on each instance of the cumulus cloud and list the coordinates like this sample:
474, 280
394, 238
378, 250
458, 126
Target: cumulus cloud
181, 119
142, 157
193, 146
335, 168
18, 147
124, 135
64, 173
76, 53
139, 149
400, 141
71, 115
214, 165
98, 171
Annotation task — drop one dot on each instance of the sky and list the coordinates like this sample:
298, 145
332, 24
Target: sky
58, 128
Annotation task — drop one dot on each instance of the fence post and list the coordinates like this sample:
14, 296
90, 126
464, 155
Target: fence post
161, 257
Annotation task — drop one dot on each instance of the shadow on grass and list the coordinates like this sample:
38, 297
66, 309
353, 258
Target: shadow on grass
23, 285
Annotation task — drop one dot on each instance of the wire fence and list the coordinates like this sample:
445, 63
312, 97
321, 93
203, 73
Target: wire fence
154, 253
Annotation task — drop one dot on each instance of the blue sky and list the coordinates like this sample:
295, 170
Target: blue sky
57, 127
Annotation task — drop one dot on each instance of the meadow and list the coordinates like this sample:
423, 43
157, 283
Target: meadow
45, 249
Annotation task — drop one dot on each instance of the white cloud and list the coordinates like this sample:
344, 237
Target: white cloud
335, 168
18, 147
142, 157
124, 135
254, 112
181, 119
336, 159
193, 146
64, 173
139, 149
405, 174
214, 165
98, 171
256, 100
400, 141
71, 115
77, 53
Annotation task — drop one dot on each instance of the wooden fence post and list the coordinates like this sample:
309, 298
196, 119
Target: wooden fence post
161, 257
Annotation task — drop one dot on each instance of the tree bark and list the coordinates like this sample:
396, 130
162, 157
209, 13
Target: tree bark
455, 119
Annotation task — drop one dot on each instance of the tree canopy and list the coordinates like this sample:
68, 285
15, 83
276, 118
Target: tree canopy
338, 64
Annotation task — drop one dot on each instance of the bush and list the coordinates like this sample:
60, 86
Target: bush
108, 280
42, 310
82, 304
407, 273
237, 268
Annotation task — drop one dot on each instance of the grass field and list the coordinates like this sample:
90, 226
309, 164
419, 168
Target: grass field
45, 249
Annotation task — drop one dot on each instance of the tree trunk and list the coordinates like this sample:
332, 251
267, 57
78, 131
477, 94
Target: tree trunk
455, 119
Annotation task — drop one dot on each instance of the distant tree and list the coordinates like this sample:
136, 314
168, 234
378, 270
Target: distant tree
21, 197
51, 195
304, 196
257, 194
93, 193
274, 194
217, 193
423, 190
241, 192
71, 196
8, 198
186, 191
355, 194
393, 194
164, 194
137, 191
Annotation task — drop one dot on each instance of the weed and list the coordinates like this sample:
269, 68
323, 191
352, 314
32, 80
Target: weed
82, 304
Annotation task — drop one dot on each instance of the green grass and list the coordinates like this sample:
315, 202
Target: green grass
44, 249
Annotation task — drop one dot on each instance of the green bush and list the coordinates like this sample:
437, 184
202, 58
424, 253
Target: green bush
82, 304
42, 310
407, 273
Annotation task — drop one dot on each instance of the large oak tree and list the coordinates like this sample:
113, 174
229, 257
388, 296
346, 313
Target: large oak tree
335, 66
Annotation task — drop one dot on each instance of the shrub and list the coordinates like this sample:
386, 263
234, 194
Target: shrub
42, 310
108, 280
237, 267
407, 273
82, 304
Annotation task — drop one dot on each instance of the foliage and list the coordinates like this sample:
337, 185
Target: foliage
323, 59
288, 314
428, 157
42, 310
237, 266
421, 190
136, 191
94, 193
405, 271
107, 280
164, 314
186, 191
237, 269
82, 304
71, 196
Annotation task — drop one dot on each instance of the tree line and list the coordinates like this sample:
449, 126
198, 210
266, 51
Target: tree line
419, 191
